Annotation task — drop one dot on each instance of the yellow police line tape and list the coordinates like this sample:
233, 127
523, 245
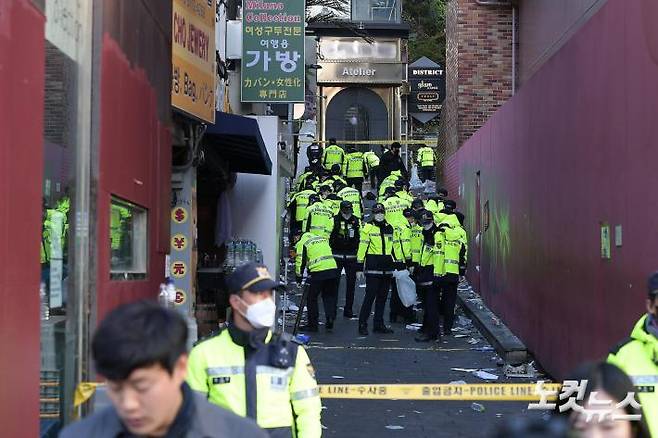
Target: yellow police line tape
468, 391
371, 141
482, 392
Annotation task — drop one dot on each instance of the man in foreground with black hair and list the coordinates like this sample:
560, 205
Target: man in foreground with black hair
140, 349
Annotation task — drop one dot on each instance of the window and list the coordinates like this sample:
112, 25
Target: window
128, 240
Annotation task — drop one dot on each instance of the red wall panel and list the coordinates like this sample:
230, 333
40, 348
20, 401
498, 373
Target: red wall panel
22, 61
575, 147
135, 164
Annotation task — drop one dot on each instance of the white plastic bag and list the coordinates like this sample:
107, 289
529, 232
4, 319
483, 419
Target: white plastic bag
406, 287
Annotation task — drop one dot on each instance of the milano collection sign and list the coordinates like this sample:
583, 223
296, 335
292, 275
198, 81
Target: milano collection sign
193, 58
273, 51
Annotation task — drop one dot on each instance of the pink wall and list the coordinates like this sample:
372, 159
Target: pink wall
21, 168
575, 147
135, 164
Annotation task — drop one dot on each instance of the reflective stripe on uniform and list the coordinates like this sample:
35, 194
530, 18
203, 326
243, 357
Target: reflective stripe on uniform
306, 393
225, 371
314, 262
266, 369
426, 283
378, 272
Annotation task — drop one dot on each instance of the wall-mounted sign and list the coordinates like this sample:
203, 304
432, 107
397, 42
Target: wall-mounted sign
193, 58
273, 51
359, 49
427, 89
358, 72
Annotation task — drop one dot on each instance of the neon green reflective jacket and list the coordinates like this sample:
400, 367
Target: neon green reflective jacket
333, 154
353, 196
314, 254
416, 242
638, 357
402, 252
452, 249
372, 160
319, 219
394, 211
354, 165
284, 397
300, 201
425, 156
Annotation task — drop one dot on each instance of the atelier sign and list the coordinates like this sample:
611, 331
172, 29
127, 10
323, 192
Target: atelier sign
361, 72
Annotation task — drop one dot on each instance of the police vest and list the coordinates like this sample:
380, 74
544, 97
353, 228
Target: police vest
438, 257
402, 251
301, 204
395, 211
452, 244
275, 384
372, 160
638, 357
315, 253
406, 197
353, 165
333, 154
319, 219
425, 157
416, 242
353, 196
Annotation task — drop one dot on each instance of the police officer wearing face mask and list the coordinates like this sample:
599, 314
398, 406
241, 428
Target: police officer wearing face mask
253, 372
425, 284
638, 357
376, 246
344, 242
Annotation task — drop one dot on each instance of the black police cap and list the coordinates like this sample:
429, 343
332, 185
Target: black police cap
252, 277
378, 208
346, 206
653, 285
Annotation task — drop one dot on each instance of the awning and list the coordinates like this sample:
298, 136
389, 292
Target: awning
238, 141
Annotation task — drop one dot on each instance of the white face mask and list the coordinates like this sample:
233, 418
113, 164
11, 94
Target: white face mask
428, 225
261, 314
346, 216
379, 217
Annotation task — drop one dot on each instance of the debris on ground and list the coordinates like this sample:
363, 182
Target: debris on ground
337, 377
457, 382
472, 341
486, 348
477, 407
523, 371
413, 327
484, 375
303, 339
465, 370
394, 427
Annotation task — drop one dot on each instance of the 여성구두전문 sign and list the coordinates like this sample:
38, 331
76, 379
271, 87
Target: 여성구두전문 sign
273, 51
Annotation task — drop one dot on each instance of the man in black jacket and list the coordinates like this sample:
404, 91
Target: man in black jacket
140, 348
344, 242
391, 161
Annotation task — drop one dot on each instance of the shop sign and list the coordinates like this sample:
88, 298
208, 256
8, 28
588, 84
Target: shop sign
273, 51
179, 215
181, 297
351, 72
427, 89
193, 58
178, 269
179, 242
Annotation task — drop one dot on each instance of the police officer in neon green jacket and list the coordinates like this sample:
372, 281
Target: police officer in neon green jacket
425, 159
638, 357
319, 217
333, 154
253, 372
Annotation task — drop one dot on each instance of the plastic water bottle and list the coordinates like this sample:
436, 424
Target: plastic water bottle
162, 296
230, 253
170, 289
43, 300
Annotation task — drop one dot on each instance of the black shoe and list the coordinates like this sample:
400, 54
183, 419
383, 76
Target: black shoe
363, 330
383, 329
424, 338
309, 328
349, 315
330, 325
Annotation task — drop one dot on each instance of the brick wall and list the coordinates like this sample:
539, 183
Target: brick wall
478, 67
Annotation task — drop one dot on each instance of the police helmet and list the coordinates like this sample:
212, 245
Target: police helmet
449, 204
378, 208
339, 185
427, 217
417, 204
346, 207
390, 191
